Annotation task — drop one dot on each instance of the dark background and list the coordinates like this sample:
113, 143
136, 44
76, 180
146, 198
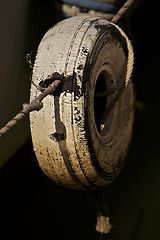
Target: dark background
33, 207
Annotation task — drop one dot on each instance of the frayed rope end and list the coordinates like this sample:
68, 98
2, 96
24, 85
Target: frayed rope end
103, 225
103, 221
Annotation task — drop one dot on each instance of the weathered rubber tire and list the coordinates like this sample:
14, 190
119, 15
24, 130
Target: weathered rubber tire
89, 55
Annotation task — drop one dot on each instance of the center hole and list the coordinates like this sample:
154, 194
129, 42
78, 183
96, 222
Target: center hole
100, 102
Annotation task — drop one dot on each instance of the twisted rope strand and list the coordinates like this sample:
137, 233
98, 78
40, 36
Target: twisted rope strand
129, 70
122, 10
36, 104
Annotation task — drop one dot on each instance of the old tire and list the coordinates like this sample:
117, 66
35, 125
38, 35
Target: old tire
72, 146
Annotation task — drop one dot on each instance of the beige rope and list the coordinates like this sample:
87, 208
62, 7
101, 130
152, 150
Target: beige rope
130, 61
115, 19
129, 70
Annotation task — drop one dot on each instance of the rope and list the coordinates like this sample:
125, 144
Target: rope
36, 104
103, 222
129, 70
122, 10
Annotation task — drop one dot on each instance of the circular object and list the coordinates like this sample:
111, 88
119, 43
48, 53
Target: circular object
74, 145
